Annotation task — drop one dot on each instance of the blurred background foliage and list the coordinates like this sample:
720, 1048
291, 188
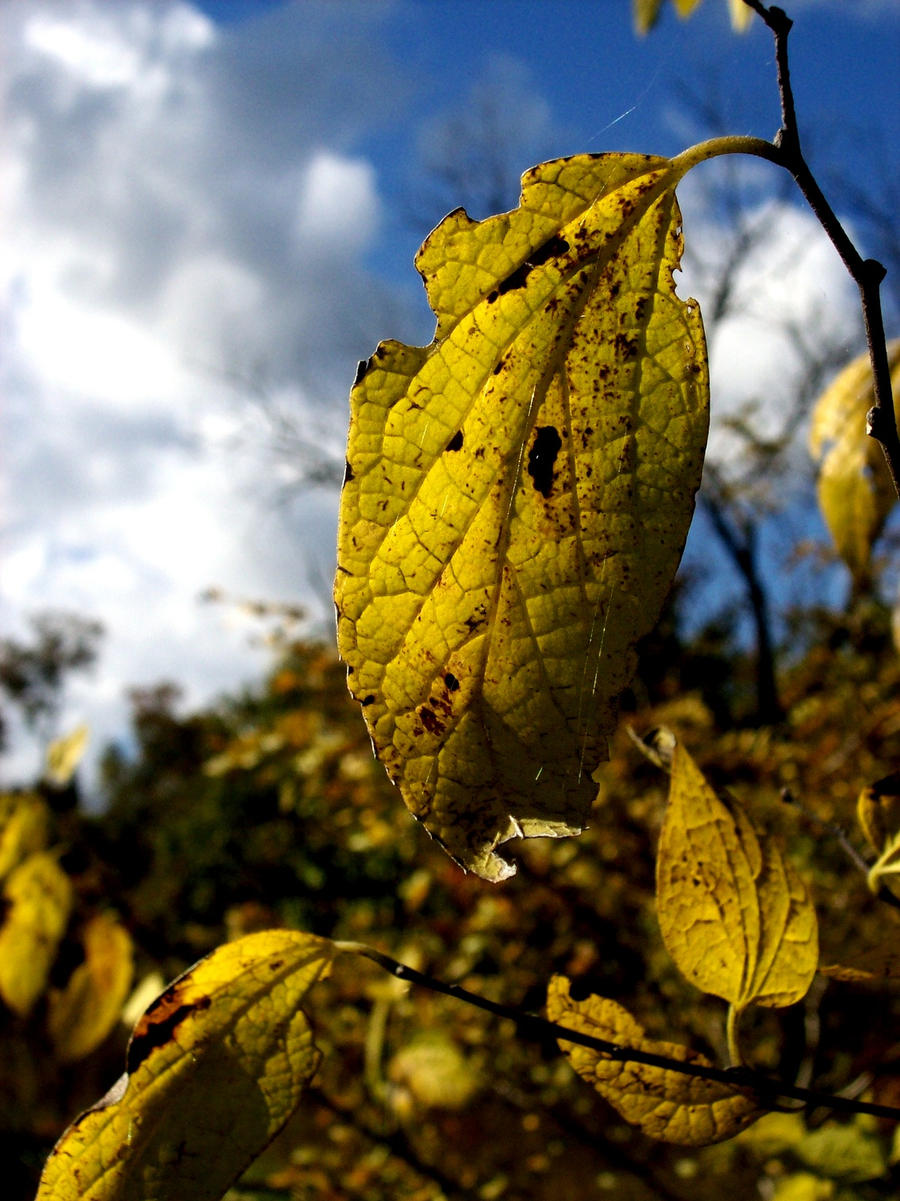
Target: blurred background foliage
267, 808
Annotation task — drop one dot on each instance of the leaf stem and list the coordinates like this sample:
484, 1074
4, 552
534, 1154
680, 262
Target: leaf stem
540, 1029
867, 274
731, 1035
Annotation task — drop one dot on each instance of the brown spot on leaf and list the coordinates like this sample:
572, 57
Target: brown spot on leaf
431, 722
159, 1024
456, 441
542, 458
451, 681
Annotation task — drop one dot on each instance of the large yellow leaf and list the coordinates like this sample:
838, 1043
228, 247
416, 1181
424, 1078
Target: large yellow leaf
38, 899
664, 1103
855, 489
737, 919
24, 828
81, 1015
216, 1066
517, 498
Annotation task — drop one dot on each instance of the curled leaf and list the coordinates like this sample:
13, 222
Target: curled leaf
216, 1066
517, 498
735, 917
855, 490
878, 810
665, 1104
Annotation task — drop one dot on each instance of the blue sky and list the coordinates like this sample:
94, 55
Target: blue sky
213, 209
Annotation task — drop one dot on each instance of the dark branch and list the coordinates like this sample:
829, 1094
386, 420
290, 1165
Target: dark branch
530, 1026
867, 274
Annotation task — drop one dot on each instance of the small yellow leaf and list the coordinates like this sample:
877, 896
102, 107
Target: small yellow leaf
81, 1015
646, 14
741, 15
517, 498
737, 919
24, 829
64, 755
664, 1103
878, 810
855, 489
216, 1066
38, 897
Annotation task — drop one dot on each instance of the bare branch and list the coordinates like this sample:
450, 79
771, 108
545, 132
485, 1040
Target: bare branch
529, 1025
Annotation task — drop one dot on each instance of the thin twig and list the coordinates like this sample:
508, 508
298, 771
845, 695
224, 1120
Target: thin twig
530, 1026
867, 274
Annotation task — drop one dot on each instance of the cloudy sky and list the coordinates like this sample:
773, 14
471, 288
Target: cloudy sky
209, 215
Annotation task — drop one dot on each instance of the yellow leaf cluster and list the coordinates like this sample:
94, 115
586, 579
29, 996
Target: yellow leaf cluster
216, 1066
646, 12
665, 1104
854, 487
735, 917
517, 498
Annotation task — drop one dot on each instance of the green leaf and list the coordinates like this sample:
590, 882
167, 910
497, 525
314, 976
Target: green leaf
664, 1103
216, 1066
854, 487
517, 498
735, 917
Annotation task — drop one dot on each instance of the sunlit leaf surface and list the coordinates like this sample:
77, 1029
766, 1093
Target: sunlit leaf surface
664, 1103
216, 1066
735, 917
517, 498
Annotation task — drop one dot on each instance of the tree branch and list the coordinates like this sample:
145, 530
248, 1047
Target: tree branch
530, 1026
867, 274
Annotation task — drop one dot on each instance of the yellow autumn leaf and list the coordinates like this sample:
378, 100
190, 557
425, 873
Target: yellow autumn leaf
64, 755
80, 1016
38, 901
854, 488
24, 829
665, 1104
735, 917
517, 497
216, 1066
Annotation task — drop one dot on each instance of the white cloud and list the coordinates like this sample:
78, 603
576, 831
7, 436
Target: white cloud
184, 204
